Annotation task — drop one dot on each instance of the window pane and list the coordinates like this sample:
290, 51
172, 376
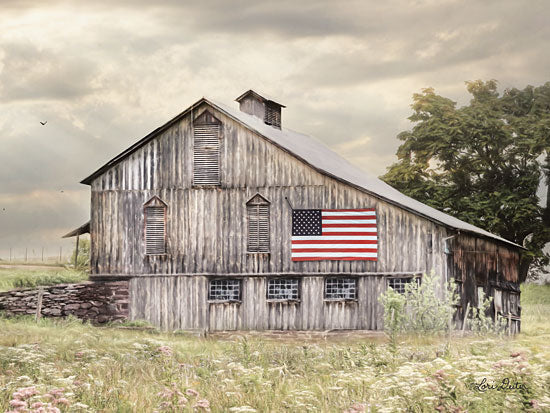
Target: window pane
398, 284
225, 290
282, 289
340, 288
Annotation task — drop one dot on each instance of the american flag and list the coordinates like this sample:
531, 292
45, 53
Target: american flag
334, 234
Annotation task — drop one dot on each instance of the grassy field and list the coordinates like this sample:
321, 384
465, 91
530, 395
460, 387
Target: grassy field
78, 368
21, 277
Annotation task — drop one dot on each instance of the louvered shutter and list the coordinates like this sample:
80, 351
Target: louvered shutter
272, 115
155, 230
258, 228
206, 155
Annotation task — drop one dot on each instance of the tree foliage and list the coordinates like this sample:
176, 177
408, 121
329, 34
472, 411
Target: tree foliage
482, 162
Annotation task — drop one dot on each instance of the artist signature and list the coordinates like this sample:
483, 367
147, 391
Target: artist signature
505, 385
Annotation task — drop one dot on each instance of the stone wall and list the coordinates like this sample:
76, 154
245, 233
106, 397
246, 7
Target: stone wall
98, 302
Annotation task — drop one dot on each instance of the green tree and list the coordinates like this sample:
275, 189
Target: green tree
482, 162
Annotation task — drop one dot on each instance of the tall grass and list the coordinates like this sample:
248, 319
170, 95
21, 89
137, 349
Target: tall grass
78, 367
535, 312
23, 278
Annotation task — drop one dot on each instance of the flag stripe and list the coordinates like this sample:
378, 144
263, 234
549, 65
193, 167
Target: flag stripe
332, 245
343, 212
335, 242
350, 219
334, 258
331, 237
335, 254
360, 231
348, 225
325, 251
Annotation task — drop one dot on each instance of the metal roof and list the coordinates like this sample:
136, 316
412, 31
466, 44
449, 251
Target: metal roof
323, 159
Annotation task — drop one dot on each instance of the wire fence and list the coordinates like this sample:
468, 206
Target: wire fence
41, 255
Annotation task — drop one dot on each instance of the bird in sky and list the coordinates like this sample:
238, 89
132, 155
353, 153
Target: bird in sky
43, 123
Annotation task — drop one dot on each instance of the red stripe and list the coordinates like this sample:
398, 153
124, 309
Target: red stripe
343, 241
348, 217
349, 210
329, 234
349, 225
334, 258
334, 250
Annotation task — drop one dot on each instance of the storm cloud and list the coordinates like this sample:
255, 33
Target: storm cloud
105, 74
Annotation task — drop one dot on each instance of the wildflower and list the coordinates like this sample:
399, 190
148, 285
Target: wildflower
167, 351
57, 392
439, 375
79, 354
18, 403
62, 400
356, 408
36, 405
202, 404
192, 392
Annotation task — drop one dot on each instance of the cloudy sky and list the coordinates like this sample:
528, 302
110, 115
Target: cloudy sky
104, 75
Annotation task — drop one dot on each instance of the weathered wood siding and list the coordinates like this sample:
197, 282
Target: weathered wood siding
181, 302
206, 227
476, 262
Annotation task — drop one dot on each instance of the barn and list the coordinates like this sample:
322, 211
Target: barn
222, 219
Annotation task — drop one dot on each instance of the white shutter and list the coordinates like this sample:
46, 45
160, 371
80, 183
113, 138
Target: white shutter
206, 154
155, 230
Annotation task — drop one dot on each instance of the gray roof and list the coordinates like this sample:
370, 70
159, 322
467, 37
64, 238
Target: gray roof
320, 157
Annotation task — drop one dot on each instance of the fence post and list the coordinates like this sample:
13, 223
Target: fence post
39, 303
76, 252
465, 317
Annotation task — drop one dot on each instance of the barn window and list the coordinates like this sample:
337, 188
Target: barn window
155, 226
283, 289
399, 284
225, 290
206, 151
258, 224
340, 288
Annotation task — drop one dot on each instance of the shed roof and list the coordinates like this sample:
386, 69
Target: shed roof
262, 97
83, 229
321, 158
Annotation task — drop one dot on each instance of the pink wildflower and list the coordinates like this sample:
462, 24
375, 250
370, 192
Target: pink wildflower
439, 374
356, 408
62, 400
167, 351
79, 354
36, 405
192, 392
25, 393
57, 392
18, 403
202, 404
